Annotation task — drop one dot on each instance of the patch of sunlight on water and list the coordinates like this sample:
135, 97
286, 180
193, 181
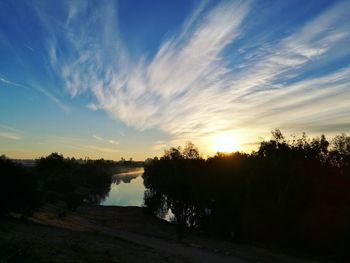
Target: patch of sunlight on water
127, 189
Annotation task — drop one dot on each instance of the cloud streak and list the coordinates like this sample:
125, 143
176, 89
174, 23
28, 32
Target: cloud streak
159, 145
10, 136
41, 90
103, 149
83, 144
192, 87
9, 133
110, 141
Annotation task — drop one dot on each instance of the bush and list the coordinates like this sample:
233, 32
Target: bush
269, 195
73, 201
18, 188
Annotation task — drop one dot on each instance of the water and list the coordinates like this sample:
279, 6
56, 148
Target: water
127, 189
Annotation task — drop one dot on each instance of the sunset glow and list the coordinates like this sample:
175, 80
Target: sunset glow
159, 123
225, 143
116, 79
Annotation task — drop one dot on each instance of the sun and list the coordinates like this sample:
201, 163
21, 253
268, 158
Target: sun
225, 143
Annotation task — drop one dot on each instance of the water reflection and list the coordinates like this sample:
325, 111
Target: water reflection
127, 189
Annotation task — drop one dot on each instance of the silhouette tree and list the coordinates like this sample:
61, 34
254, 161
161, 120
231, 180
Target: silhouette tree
190, 151
268, 195
18, 188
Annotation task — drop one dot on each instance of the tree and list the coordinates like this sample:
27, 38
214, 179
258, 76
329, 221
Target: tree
173, 153
18, 188
190, 151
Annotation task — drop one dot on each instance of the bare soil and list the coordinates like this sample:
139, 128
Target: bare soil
116, 234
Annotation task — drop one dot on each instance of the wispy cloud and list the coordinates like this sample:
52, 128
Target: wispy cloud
159, 145
54, 99
9, 82
99, 138
193, 87
84, 144
103, 149
9, 135
92, 107
146, 95
113, 142
9, 128
41, 90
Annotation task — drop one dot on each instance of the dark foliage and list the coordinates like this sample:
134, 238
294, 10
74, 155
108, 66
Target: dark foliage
290, 192
18, 188
53, 179
73, 182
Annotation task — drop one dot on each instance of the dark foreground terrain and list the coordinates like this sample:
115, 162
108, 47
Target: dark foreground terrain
116, 234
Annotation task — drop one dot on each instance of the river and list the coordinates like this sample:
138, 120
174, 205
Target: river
127, 189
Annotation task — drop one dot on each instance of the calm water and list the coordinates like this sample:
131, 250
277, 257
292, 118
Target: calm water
127, 189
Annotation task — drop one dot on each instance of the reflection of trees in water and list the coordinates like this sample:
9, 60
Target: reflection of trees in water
58, 179
125, 178
98, 195
267, 195
170, 184
156, 203
186, 212
74, 182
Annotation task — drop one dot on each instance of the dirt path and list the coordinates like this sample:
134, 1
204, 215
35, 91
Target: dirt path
189, 252
133, 225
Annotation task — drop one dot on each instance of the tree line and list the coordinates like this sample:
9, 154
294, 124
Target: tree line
292, 192
54, 179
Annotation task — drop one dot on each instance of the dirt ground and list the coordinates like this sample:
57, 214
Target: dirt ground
24, 241
116, 234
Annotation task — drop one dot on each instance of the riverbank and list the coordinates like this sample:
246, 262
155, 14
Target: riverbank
119, 234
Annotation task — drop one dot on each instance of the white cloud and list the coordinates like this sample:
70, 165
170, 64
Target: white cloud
9, 135
41, 90
159, 145
97, 137
113, 142
157, 94
189, 90
92, 107
110, 141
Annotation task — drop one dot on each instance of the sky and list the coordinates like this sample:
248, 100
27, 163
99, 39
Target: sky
111, 79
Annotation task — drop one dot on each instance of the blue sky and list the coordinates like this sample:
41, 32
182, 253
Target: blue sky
128, 78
